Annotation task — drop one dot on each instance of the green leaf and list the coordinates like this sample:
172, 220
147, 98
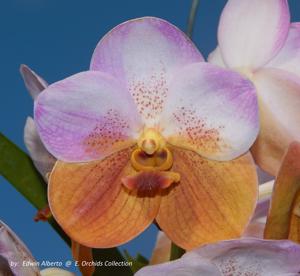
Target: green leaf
17, 167
137, 263
141, 259
176, 252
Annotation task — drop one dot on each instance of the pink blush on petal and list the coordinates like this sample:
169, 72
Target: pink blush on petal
197, 132
109, 132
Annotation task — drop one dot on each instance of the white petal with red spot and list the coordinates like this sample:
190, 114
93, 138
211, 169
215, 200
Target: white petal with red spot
86, 117
143, 53
234, 257
12, 250
212, 111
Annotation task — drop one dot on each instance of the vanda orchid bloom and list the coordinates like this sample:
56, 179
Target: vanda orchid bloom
135, 138
234, 257
256, 39
16, 259
44, 162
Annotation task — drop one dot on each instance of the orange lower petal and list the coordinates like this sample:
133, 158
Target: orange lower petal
93, 207
82, 254
213, 201
285, 190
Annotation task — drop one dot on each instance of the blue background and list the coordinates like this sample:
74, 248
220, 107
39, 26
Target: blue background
56, 38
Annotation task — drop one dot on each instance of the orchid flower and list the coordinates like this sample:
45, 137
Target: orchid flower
140, 137
234, 257
16, 259
257, 40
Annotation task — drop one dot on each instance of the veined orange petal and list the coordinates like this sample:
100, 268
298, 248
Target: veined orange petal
93, 207
285, 190
81, 254
213, 201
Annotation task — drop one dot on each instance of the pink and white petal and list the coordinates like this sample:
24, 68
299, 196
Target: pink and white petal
234, 257
86, 117
212, 111
289, 56
42, 159
252, 32
279, 101
215, 57
253, 256
143, 52
13, 250
33, 82
190, 266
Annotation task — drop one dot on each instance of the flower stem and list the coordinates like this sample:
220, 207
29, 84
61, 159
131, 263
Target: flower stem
176, 252
191, 19
59, 231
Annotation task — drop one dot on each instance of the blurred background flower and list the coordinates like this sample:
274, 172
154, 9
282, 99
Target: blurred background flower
16, 259
233, 257
256, 39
